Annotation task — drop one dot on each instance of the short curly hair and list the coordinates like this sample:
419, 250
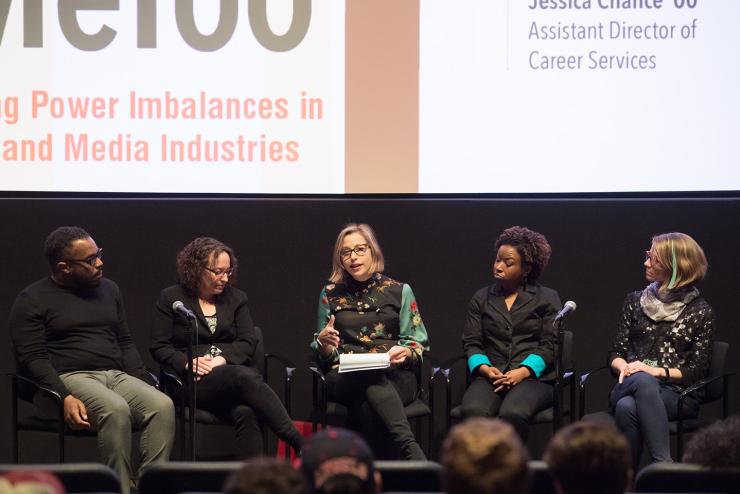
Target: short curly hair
193, 259
59, 240
716, 446
586, 457
533, 248
483, 455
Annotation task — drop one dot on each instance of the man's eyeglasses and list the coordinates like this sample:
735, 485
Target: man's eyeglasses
220, 272
360, 250
89, 260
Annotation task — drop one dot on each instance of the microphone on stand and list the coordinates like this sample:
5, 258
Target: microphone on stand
569, 307
180, 308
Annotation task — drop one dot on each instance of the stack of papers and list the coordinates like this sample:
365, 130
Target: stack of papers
351, 362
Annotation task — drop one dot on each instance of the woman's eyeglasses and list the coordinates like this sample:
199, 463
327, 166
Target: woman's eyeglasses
220, 272
360, 250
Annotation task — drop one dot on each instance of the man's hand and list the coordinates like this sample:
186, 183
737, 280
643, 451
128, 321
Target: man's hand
398, 354
75, 413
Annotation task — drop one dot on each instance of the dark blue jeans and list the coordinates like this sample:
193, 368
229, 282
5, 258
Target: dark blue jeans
642, 406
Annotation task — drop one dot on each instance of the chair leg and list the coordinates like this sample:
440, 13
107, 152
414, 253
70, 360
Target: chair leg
60, 438
16, 443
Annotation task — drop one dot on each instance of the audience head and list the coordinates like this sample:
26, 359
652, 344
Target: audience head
206, 266
266, 476
523, 255
30, 482
675, 260
586, 458
356, 254
484, 456
338, 461
716, 446
74, 258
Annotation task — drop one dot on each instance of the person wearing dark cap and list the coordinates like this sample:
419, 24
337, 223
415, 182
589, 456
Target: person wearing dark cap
338, 461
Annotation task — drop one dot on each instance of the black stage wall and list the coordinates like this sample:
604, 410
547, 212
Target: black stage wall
441, 246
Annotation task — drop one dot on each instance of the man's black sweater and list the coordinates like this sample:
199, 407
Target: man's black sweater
57, 329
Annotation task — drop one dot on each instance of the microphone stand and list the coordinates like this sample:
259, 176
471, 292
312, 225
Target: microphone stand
557, 398
191, 388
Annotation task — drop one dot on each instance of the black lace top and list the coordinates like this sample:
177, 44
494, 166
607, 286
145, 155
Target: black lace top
685, 344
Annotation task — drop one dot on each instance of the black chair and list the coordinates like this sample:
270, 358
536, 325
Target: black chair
415, 411
174, 387
409, 476
176, 477
76, 477
715, 386
546, 416
684, 477
26, 416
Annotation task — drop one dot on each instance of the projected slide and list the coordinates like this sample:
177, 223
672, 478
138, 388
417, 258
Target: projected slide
176, 96
322, 97
579, 95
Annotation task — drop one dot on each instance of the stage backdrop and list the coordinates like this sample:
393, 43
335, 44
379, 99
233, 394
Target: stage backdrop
442, 247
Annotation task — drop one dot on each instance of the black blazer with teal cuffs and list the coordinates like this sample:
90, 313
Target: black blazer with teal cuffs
508, 337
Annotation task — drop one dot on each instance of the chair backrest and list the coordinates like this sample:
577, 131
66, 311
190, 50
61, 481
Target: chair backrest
175, 477
567, 349
717, 366
258, 360
410, 476
684, 477
76, 477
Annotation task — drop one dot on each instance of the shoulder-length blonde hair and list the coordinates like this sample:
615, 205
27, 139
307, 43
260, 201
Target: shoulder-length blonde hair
681, 256
338, 273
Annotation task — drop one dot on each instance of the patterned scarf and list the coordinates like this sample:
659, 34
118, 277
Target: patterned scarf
666, 306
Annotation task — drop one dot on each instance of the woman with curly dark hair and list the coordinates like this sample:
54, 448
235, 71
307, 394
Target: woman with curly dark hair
509, 338
226, 384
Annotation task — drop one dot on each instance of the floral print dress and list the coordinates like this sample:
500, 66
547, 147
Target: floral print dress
371, 316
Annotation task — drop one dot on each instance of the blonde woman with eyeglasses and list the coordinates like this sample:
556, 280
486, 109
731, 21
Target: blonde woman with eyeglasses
663, 345
363, 311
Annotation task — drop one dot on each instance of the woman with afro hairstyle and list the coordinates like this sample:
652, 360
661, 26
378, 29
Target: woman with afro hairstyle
508, 338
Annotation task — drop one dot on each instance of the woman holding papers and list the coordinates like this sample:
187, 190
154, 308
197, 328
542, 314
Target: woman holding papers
509, 338
663, 345
226, 384
362, 311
